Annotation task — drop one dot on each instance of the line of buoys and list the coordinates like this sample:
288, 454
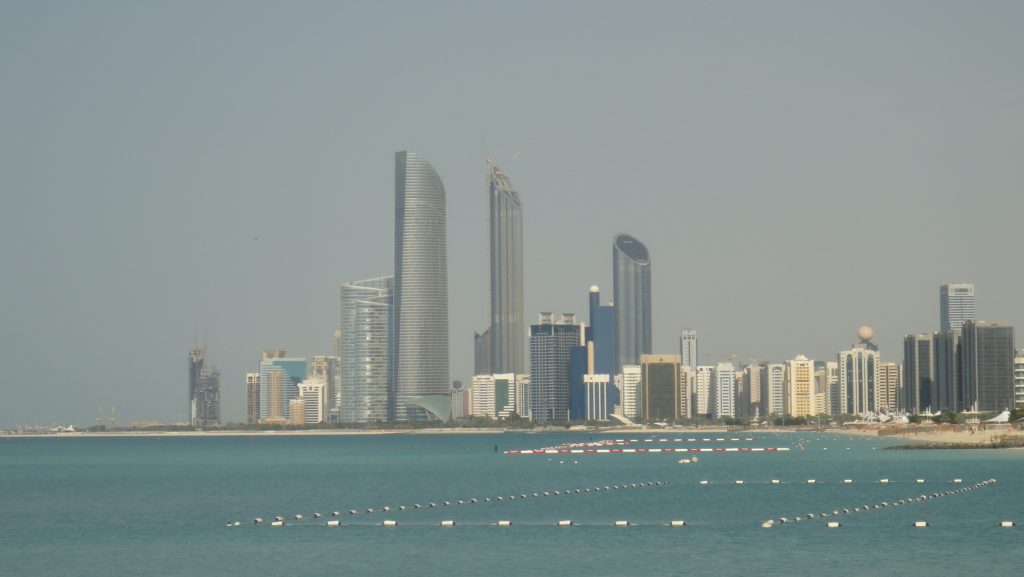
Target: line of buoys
475, 500
643, 450
817, 482
621, 442
845, 511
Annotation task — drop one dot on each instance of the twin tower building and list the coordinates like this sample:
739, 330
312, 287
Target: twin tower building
394, 346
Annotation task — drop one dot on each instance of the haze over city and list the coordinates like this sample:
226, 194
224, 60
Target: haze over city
183, 173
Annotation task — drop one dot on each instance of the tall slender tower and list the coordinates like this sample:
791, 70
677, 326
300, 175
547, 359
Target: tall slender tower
507, 327
421, 288
631, 271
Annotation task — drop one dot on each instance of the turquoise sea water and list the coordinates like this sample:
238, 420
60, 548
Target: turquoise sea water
158, 506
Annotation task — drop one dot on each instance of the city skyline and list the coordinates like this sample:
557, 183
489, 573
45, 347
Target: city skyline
154, 190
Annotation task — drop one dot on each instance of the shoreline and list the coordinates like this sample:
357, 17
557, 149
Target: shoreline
363, 432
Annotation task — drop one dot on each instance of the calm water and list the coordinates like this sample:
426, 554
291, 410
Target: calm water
158, 506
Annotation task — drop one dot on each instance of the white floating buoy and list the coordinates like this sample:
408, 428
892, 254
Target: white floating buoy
333, 523
622, 523
847, 481
776, 482
883, 481
277, 524
920, 523
1007, 524
834, 524
257, 521
316, 515
448, 523
566, 523
279, 518
385, 509
390, 523
703, 482
369, 510
678, 523
504, 523
739, 481
351, 511
401, 507
958, 480
768, 524
811, 481
335, 513
920, 481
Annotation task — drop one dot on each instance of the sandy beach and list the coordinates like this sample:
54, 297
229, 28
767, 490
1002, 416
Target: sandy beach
934, 435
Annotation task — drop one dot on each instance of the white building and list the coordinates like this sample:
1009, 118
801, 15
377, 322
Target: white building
1018, 379
858, 379
702, 389
629, 383
482, 397
313, 393
495, 396
773, 384
688, 348
687, 377
725, 390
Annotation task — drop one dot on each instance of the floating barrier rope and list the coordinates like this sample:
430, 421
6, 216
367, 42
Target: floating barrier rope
883, 505
645, 450
279, 521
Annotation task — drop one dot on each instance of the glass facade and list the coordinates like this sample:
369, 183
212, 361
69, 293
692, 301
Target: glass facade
988, 355
366, 350
420, 316
550, 346
631, 271
507, 331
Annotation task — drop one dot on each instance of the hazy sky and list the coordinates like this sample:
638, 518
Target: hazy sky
796, 169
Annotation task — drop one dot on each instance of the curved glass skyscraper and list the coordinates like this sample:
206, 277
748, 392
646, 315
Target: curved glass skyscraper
421, 287
631, 272
507, 328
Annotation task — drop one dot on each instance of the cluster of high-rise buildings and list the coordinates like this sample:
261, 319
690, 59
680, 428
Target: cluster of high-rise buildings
967, 365
391, 349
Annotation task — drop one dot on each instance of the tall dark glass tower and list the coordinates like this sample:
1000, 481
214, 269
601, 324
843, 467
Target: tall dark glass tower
631, 272
421, 376
507, 324
987, 383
